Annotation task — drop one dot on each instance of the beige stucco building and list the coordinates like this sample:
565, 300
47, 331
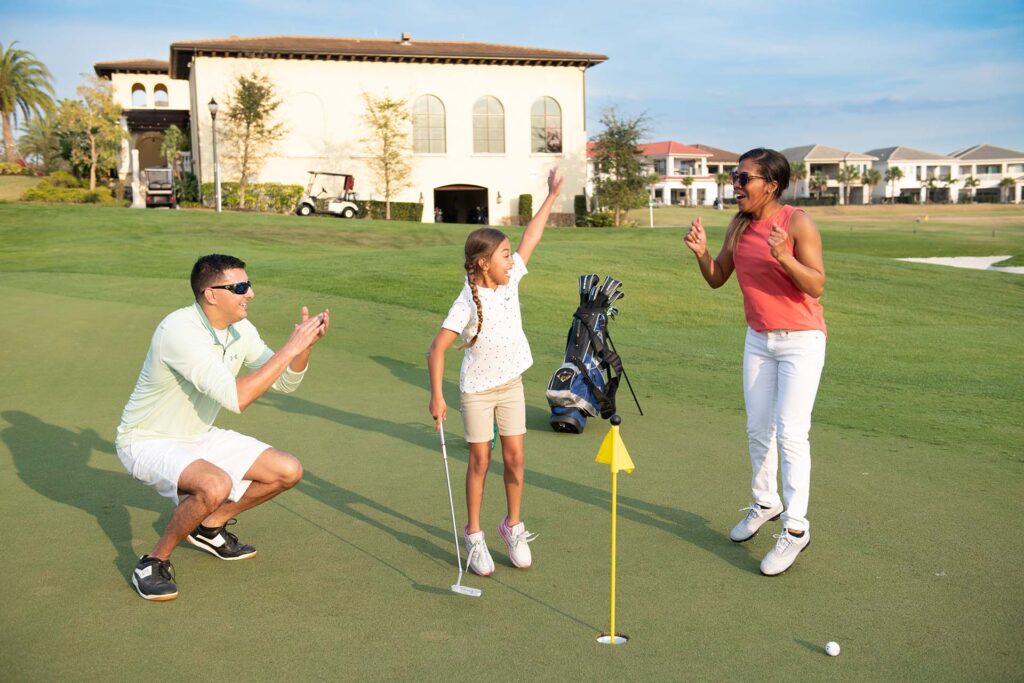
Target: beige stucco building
489, 121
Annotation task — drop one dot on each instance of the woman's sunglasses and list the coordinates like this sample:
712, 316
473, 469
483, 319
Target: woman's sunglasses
742, 178
236, 287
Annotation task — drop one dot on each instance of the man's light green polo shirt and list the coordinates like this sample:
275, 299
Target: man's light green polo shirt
189, 375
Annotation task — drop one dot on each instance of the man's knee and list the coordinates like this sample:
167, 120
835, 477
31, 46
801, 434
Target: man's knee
212, 488
286, 468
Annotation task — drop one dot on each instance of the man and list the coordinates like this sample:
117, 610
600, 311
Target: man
166, 438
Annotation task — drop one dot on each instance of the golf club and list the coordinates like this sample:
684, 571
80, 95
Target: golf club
457, 587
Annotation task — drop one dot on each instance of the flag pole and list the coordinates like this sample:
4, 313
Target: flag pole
615, 479
613, 453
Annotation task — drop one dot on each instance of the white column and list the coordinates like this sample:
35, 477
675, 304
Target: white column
1019, 190
137, 202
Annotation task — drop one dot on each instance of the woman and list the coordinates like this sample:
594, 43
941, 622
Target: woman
776, 253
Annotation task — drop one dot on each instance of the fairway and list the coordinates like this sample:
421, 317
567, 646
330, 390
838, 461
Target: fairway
915, 568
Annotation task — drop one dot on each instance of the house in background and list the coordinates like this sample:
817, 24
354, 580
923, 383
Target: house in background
489, 121
990, 166
720, 161
150, 102
926, 176
828, 161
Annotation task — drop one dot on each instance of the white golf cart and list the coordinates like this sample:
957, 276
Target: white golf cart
343, 204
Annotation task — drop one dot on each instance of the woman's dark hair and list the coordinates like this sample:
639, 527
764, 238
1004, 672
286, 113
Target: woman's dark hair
208, 269
775, 168
480, 244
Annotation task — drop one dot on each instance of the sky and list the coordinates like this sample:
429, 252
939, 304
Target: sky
933, 75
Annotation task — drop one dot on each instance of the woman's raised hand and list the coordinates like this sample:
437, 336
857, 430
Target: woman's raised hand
696, 240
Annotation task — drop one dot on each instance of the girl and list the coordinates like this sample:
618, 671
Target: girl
776, 253
487, 316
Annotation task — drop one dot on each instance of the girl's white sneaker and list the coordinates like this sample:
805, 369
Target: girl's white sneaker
478, 558
517, 539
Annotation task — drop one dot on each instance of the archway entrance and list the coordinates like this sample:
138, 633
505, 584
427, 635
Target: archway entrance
461, 204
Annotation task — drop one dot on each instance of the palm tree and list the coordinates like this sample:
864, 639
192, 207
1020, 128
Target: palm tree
871, 178
39, 143
797, 172
722, 179
949, 181
892, 175
26, 85
818, 183
970, 183
928, 184
1006, 185
687, 182
846, 176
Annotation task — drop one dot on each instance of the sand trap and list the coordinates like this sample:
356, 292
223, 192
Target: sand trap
973, 262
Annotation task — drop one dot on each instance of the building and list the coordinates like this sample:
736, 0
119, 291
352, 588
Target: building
926, 176
829, 164
150, 102
990, 167
489, 121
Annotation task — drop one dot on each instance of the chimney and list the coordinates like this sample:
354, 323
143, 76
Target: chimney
406, 39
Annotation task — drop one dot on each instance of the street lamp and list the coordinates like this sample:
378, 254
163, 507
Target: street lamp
216, 166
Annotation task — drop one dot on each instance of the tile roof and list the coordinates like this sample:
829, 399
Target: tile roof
651, 149
901, 153
719, 155
986, 153
373, 49
131, 66
823, 153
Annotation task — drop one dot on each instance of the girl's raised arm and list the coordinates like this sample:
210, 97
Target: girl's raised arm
535, 228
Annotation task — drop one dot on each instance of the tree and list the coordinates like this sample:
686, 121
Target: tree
687, 183
846, 176
25, 85
971, 183
721, 180
1006, 186
90, 129
818, 183
249, 129
39, 143
621, 181
892, 175
175, 142
949, 181
388, 122
797, 172
872, 177
928, 184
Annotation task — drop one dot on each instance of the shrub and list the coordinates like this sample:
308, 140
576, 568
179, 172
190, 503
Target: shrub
525, 208
579, 208
12, 168
827, 200
266, 197
400, 211
186, 188
45, 191
62, 179
601, 219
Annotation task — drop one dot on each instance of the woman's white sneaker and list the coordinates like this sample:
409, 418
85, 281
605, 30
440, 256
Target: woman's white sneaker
755, 519
517, 539
478, 558
783, 555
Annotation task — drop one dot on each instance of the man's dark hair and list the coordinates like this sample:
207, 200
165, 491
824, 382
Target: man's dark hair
208, 269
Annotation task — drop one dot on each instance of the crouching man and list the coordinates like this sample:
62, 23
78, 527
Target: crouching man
166, 438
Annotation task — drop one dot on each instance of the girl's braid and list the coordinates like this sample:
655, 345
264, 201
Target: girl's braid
471, 271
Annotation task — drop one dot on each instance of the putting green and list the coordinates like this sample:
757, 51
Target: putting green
914, 568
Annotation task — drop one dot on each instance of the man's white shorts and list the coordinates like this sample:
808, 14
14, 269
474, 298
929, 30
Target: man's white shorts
160, 462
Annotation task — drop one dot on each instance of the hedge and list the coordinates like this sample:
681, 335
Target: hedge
11, 168
827, 200
267, 197
579, 209
400, 211
45, 191
525, 208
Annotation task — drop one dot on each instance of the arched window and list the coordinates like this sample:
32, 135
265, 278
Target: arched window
546, 126
488, 126
138, 95
160, 95
428, 125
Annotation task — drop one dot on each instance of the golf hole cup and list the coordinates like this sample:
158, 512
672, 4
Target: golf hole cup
832, 648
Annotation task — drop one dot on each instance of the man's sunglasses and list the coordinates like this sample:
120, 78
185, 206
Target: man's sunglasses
742, 178
237, 287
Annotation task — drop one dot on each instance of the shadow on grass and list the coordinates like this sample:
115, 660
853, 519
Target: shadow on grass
687, 526
54, 462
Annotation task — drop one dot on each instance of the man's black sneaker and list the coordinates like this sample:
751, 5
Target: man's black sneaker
221, 542
154, 579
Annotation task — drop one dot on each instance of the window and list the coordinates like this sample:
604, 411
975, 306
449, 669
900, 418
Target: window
659, 166
160, 95
965, 170
1014, 168
138, 95
428, 131
488, 126
546, 126
989, 169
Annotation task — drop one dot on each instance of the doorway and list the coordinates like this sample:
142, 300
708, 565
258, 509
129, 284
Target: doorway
461, 204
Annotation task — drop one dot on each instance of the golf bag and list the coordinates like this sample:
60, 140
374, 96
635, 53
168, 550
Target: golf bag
588, 379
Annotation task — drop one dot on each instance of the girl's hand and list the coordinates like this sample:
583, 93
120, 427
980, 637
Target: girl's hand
696, 240
778, 242
438, 411
555, 181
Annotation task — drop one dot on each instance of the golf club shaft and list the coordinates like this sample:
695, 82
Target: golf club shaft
451, 502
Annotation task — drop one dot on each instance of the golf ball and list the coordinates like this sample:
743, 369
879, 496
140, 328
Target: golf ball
832, 648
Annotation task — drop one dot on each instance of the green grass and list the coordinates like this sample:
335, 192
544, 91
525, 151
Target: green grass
917, 479
13, 186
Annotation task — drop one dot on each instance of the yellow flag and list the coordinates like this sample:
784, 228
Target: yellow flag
613, 452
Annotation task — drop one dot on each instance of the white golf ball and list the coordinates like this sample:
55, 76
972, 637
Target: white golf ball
832, 648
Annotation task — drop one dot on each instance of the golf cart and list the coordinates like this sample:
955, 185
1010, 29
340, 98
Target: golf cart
159, 187
344, 204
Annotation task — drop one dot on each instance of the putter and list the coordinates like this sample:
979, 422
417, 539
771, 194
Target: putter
457, 587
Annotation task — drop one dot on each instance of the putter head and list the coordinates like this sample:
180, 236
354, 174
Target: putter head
466, 590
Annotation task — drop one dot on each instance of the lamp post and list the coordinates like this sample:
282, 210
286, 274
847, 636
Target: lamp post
216, 165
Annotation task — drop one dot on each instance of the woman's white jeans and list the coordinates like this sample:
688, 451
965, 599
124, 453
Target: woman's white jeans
781, 370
